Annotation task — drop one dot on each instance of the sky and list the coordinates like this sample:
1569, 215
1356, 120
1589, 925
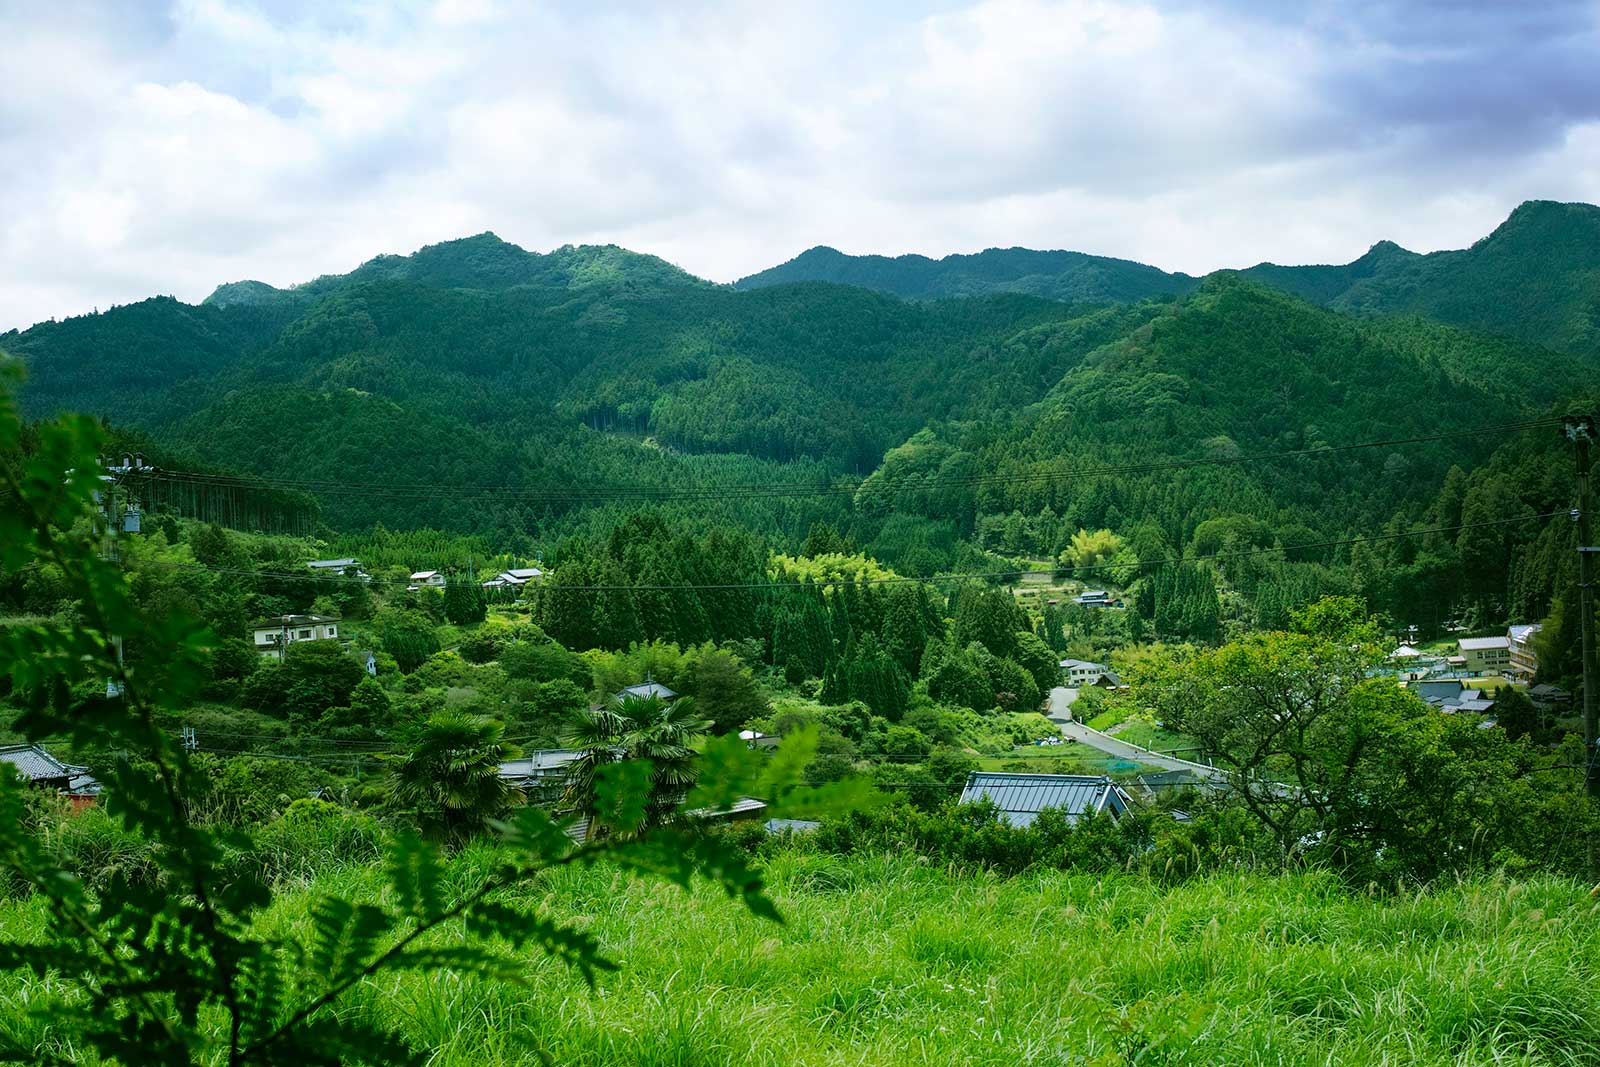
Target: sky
164, 148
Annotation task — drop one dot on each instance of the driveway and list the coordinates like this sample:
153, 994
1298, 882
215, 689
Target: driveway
1077, 731
1061, 699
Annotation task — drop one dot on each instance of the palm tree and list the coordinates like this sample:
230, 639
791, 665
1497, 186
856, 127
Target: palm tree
450, 776
629, 729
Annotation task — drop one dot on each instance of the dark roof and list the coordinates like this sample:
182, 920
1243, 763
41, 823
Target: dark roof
1446, 690
1021, 797
329, 563
34, 764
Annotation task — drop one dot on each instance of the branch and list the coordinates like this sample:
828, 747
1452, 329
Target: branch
378, 962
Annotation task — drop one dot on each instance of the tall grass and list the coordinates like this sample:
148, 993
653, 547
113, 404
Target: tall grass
886, 960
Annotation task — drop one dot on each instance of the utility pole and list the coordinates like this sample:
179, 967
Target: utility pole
1580, 430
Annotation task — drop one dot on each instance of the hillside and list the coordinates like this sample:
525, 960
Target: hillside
1070, 276
480, 262
1535, 278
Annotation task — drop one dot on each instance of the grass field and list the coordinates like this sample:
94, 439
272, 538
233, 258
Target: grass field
1063, 759
886, 961
1156, 738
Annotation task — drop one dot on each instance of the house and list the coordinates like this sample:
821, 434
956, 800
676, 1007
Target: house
1549, 696
1524, 657
515, 578
1451, 696
1484, 655
1438, 691
272, 636
37, 767
1081, 672
1021, 797
541, 774
1093, 598
338, 567
427, 579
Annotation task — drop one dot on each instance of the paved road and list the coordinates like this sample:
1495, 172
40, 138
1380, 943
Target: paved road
1077, 731
1061, 699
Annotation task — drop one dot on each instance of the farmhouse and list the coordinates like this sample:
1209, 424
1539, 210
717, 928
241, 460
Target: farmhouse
541, 774
515, 578
272, 636
1021, 797
427, 579
1081, 672
1481, 655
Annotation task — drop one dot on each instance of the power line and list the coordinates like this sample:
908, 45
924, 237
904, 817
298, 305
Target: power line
897, 579
530, 494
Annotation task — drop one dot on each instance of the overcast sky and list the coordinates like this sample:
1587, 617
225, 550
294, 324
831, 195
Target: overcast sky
165, 148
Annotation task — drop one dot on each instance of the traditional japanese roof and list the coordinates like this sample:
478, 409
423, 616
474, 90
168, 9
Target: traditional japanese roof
35, 764
1021, 797
1078, 664
422, 576
332, 564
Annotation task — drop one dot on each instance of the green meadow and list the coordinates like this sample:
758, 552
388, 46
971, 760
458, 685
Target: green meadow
886, 960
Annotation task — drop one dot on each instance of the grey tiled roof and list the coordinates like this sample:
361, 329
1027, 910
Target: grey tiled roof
1021, 797
34, 763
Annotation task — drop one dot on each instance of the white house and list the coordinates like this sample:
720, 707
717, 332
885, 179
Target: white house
272, 636
427, 580
1081, 672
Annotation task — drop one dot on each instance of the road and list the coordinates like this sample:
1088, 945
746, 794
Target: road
1060, 713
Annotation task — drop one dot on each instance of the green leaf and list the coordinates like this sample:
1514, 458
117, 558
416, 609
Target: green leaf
344, 936
414, 872
622, 793
574, 947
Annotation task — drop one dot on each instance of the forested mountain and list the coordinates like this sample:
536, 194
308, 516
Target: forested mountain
1536, 278
1071, 276
480, 262
479, 388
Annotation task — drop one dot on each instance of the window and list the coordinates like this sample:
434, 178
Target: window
332, 632
305, 635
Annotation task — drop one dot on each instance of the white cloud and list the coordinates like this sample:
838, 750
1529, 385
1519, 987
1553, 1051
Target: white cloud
170, 150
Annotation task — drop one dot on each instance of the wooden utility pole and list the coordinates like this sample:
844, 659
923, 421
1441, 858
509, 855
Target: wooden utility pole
1580, 430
